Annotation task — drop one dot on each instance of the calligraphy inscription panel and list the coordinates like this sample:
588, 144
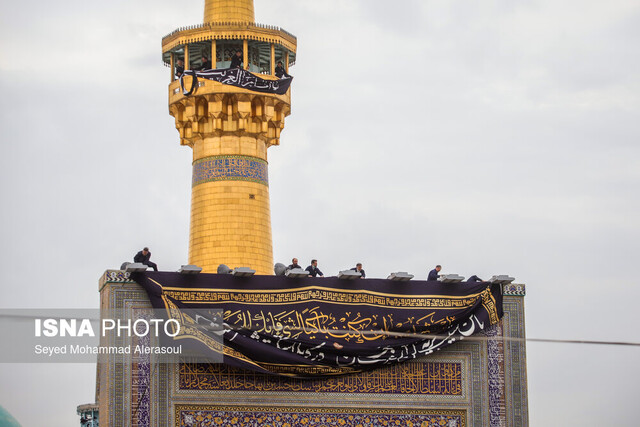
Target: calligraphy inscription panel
423, 378
349, 325
326, 296
230, 168
204, 415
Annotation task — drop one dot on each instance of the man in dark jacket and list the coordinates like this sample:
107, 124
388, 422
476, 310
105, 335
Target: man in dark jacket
179, 68
206, 64
280, 72
294, 264
313, 269
433, 274
236, 60
359, 269
143, 257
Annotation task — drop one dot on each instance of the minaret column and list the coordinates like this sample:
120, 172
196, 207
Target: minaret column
229, 129
230, 211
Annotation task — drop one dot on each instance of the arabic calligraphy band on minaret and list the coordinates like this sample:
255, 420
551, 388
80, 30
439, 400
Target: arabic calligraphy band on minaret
229, 129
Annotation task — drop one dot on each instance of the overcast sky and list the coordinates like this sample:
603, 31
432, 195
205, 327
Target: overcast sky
490, 137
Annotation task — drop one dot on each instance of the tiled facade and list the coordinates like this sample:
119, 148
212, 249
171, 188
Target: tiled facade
188, 416
443, 378
479, 382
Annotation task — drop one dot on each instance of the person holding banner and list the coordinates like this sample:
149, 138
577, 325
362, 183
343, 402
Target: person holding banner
313, 269
143, 258
433, 274
280, 72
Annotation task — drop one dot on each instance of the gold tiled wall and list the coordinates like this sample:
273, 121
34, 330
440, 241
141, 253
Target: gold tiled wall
231, 225
229, 11
230, 144
230, 220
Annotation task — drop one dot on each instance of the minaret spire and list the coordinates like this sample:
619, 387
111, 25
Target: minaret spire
229, 11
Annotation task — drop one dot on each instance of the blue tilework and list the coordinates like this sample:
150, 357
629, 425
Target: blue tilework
423, 378
230, 168
201, 415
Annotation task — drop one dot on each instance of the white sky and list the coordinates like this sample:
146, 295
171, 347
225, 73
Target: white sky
490, 137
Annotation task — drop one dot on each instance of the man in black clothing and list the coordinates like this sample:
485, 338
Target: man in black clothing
474, 279
294, 264
236, 60
206, 64
313, 269
143, 258
433, 274
179, 67
359, 269
280, 72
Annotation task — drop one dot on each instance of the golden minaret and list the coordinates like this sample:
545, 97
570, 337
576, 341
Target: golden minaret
229, 129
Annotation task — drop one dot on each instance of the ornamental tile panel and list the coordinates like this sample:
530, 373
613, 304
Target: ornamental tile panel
230, 168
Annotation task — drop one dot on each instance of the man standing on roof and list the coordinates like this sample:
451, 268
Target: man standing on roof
313, 269
143, 258
433, 274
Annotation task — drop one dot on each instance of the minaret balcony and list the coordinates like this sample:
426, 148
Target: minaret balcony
229, 30
262, 46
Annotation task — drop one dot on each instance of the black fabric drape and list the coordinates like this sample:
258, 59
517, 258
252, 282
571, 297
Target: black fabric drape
325, 326
237, 77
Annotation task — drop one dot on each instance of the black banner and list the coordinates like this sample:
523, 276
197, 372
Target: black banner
237, 77
323, 326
